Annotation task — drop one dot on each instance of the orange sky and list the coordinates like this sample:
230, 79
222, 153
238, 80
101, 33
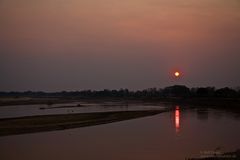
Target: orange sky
124, 41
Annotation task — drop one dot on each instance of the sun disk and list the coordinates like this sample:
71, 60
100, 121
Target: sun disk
177, 74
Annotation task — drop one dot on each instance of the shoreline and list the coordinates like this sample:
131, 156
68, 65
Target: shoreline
199, 101
34, 124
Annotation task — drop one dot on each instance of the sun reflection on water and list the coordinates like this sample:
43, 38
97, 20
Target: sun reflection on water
177, 119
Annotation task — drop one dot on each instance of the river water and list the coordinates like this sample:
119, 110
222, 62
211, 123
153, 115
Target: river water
178, 134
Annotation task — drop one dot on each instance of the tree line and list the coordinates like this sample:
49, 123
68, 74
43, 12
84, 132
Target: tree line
171, 91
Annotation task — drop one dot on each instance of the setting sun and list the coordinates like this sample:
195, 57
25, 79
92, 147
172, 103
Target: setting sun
177, 74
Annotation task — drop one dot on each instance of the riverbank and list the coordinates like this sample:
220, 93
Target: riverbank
33, 124
199, 101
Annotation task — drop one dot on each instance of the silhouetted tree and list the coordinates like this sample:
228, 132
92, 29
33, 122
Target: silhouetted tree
205, 92
171, 91
176, 91
226, 92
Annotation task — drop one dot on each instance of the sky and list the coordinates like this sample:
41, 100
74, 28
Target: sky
55, 45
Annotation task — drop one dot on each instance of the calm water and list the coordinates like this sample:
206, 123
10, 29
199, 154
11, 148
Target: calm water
170, 135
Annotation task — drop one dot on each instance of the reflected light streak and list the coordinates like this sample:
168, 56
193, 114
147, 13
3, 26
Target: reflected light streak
177, 119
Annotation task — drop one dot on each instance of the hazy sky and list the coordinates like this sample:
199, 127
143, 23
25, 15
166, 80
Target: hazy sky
55, 45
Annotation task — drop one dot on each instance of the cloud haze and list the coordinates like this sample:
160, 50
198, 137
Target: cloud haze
54, 45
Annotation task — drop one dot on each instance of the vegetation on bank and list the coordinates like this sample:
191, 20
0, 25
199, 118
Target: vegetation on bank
177, 94
171, 91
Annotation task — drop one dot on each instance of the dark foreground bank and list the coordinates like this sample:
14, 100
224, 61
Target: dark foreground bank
12, 126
